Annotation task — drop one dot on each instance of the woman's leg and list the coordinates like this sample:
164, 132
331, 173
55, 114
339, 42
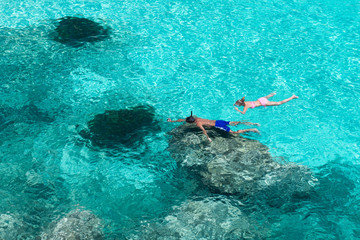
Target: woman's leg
270, 95
281, 102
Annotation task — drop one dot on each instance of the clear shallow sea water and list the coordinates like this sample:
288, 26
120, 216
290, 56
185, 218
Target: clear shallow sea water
176, 56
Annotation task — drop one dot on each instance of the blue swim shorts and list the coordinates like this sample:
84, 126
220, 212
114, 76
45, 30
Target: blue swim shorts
222, 125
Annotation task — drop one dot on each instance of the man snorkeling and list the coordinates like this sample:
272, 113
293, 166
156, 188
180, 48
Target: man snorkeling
223, 125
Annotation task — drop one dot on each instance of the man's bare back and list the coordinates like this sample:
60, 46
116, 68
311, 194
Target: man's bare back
223, 125
204, 122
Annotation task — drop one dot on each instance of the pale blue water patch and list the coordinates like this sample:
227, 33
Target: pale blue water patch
178, 56
253, 56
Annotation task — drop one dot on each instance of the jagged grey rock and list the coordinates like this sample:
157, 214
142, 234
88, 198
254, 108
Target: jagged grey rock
232, 164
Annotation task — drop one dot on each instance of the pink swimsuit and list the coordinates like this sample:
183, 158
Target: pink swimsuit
263, 101
252, 104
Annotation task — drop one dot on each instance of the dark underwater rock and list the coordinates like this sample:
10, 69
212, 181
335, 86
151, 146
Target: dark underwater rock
76, 31
35, 114
29, 113
287, 183
209, 218
232, 164
124, 126
336, 186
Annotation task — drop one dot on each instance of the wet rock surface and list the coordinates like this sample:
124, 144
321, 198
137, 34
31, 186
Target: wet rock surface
124, 126
232, 164
74, 31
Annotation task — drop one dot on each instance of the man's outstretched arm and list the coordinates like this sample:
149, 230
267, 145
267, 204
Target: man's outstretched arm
179, 120
204, 131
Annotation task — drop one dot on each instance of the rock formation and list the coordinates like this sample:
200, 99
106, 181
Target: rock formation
209, 218
74, 31
124, 126
76, 225
232, 164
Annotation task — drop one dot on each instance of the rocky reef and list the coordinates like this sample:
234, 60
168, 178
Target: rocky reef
124, 126
235, 165
74, 31
76, 225
10, 227
207, 218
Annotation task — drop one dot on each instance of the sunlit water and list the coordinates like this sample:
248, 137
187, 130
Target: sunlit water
177, 56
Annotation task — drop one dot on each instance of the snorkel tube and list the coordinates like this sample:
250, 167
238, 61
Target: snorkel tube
190, 119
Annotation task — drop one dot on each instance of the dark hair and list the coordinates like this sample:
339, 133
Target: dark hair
240, 102
190, 119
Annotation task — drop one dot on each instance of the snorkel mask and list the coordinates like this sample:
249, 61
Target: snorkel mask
190, 119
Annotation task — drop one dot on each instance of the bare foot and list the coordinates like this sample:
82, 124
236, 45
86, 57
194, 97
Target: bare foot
270, 95
248, 130
249, 123
254, 130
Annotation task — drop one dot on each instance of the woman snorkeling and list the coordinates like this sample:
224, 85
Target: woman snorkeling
264, 101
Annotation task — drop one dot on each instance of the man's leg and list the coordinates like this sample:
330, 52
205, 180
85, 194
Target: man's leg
246, 123
246, 130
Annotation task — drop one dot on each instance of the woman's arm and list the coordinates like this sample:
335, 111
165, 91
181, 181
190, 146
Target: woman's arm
244, 111
238, 110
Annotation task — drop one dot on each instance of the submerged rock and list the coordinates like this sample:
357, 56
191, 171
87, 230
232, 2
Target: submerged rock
76, 31
232, 164
124, 126
10, 227
76, 225
29, 113
209, 218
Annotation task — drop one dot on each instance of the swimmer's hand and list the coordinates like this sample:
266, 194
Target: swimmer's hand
209, 139
238, 110
169, 120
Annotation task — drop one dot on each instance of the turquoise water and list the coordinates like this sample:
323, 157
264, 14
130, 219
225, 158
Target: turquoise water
177, 56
